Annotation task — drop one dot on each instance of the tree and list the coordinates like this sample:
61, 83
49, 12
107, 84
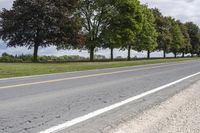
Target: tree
147, 38
96, 15
194, 33
163, 26
110, 40
186, 46
177, 38
127, 23
40, 23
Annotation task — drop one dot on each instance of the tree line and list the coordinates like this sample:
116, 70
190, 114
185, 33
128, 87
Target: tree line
93, 24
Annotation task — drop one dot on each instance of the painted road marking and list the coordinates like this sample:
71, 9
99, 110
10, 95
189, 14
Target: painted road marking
78, 120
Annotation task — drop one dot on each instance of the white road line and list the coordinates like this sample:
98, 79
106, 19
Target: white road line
80, 77
78, 120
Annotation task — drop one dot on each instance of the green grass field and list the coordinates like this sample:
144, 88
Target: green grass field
27, 69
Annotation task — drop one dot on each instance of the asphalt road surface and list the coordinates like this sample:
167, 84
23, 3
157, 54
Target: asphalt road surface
36, 104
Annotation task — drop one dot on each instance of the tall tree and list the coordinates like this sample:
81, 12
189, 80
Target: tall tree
186, 46
177, 38
40, 23
127, 23
96, 15
147, 38
163, 26
111, 41
194, 35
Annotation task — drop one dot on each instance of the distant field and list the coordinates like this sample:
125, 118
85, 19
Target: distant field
27, 69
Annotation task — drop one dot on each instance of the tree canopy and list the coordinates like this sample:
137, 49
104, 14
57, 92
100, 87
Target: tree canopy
186, 46
127, 22
163, 26
194, 34
96, 15
40, 23
177, 37
147, 38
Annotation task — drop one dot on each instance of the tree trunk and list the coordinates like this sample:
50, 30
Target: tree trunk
148, 54
192, 54
91, 53
129, 53
35, 53
175, 55
164, 54
183, 54
111, 54
198, 54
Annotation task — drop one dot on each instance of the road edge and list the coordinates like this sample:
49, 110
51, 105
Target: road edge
157, 117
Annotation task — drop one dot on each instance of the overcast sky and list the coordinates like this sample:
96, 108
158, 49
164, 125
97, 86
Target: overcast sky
185, 10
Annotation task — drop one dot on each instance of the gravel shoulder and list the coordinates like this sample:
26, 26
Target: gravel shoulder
179, 114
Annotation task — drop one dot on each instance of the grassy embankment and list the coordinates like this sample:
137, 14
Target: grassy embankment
27, 69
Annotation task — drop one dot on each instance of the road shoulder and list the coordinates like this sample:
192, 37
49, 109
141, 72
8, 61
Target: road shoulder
181, 113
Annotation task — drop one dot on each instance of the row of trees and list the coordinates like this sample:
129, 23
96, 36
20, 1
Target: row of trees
92, 24
175, 36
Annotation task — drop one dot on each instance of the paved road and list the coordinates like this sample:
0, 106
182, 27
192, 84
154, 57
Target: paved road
33, 104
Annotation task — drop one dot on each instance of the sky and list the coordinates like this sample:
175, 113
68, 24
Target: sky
184, 10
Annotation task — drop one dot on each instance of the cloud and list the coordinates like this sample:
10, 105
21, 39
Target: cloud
185, 10
5, 4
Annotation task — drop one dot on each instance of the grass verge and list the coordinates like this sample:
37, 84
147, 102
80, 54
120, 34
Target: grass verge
26, 69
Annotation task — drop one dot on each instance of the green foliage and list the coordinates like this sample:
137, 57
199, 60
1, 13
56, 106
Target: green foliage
147, 38
163, 26
186, 46
127, 22
177, 37
40, 23
194, 34
96, 15
6, 58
